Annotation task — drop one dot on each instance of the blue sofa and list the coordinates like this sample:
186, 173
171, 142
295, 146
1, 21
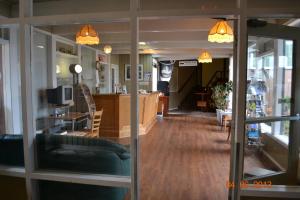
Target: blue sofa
11, 150
76, 154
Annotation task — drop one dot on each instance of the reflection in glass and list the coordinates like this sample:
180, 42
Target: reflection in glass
11, 138
269, 77
269, 86
82, 126
9, 8
266, 151
50, 190
50, 7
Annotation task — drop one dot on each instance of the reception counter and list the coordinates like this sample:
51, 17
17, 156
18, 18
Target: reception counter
115, 120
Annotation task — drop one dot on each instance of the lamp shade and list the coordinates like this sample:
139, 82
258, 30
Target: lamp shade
87, 35
221, 32
205, 57
107, 49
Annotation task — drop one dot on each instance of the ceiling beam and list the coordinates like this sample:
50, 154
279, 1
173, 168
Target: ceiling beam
193, 53
197, 37
164, 25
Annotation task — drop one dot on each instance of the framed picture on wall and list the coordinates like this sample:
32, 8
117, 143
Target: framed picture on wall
140, 72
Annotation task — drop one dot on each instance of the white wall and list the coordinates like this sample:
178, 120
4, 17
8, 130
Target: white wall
12, 81
88, 63
40, 73
65, 77
15, 79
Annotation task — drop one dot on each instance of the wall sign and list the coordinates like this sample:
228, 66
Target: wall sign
188, 63
147, 76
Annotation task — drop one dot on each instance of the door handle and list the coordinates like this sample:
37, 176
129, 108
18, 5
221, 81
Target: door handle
272, 119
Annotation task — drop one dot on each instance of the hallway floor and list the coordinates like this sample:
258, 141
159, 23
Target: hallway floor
186, 157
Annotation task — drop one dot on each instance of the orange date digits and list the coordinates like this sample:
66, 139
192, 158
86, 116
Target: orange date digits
230, 184
262, 184
245, 184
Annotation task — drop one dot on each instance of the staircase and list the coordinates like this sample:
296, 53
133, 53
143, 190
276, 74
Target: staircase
200, 97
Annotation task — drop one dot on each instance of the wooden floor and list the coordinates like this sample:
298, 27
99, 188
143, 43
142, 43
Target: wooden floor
185, 157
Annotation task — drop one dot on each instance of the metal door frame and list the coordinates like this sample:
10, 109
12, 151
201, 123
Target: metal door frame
270, 31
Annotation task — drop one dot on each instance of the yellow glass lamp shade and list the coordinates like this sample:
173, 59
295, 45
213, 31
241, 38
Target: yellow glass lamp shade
221, 32
107, 49
205, 57
87, 35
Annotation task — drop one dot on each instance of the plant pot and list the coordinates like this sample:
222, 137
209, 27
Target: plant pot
219, 116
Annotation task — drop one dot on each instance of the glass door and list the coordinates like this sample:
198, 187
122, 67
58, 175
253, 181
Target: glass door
270, 154
268, 108
2, 110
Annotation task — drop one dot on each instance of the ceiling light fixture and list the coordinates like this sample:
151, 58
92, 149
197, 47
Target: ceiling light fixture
107, 49
75, 68
205, 57
221, 32
87, 35
58, 69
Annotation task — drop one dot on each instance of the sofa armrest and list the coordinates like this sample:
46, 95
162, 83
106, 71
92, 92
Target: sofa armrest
82, 160
49, 141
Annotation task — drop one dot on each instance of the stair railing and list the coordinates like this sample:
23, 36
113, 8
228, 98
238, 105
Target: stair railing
190, 78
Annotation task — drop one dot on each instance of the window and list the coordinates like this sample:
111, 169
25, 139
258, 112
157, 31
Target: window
289, 53
77, 131
11, 109
269, 87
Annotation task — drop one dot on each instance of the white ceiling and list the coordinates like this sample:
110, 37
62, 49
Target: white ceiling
163, 37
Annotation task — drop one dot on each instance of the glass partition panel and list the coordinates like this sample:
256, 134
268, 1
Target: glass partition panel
266, 149
9, 185
188, 4
266, 4
64, 7
9, 8
11, 142
268, 95
269, 77
81, 99
50, 190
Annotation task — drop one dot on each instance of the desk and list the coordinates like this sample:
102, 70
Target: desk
115, 120
221, 114
71, 116
226, 119
202, 100
165, 102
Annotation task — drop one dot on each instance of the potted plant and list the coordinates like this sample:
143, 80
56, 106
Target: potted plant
220, 97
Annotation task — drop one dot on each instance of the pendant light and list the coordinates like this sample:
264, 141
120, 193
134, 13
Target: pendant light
205, 57
107, 49
87, 35
221, 32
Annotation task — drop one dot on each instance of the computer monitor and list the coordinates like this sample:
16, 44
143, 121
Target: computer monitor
62, 95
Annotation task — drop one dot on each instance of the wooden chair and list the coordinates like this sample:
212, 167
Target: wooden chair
226, 121
229, 131
96, 120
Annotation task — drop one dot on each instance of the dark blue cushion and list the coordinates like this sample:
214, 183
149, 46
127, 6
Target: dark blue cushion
11, 150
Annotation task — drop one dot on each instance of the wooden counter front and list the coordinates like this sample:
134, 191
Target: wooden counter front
115, 120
